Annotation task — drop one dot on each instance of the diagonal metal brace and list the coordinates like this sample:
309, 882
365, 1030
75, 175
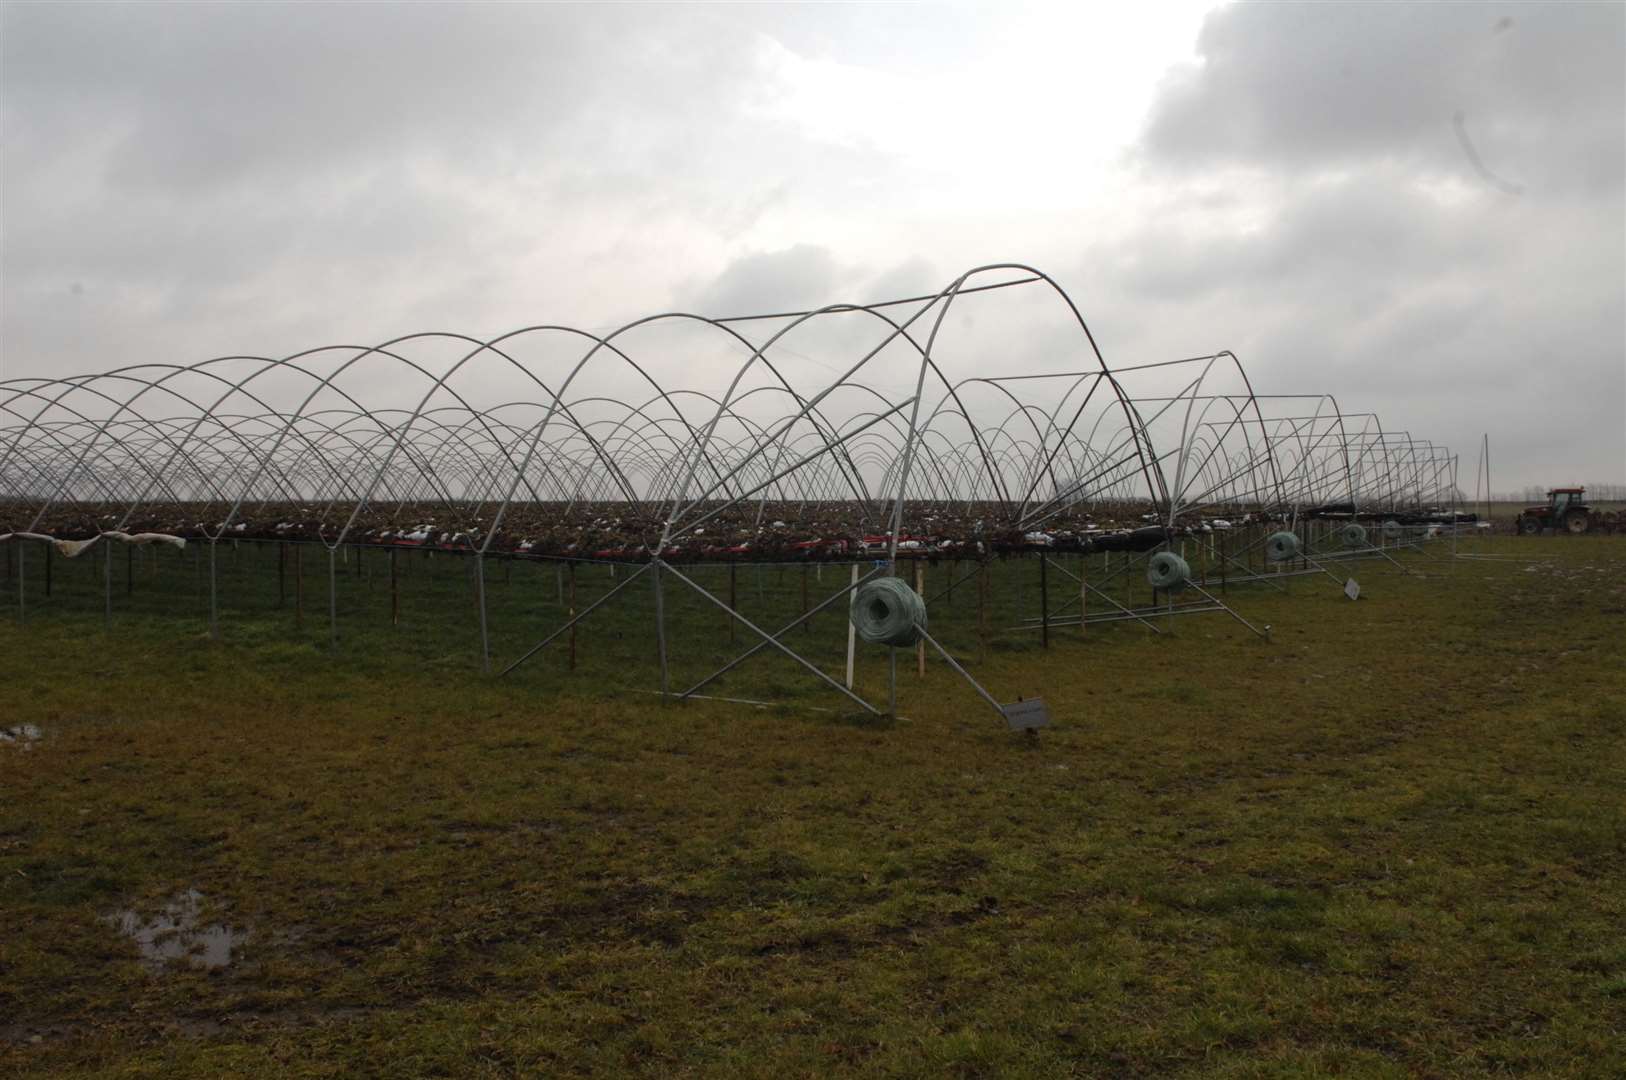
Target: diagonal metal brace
586, 611
767, 638
787, 628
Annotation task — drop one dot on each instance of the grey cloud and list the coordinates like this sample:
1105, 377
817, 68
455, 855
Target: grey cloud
915, 276
250, 177
1324, 222
794, 279
1350, 85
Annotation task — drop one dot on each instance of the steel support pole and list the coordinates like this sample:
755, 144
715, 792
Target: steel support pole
986, 696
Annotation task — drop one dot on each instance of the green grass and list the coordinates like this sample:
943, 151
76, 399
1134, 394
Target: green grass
1391, 842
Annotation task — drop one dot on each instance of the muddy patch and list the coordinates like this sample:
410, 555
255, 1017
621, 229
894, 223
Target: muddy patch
174, 935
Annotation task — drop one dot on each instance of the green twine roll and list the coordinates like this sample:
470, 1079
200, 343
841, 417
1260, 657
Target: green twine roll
1279, 547
1353, 535
886, 611
1167, 571
1391, 529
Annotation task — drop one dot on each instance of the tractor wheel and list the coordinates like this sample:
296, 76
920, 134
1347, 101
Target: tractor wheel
1575, 521
1529, 526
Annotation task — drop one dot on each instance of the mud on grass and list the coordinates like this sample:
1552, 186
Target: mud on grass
1390, 843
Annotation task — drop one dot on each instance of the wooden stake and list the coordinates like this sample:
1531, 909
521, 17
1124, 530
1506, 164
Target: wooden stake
920, 646
1083, 595
982, 610
1044, 600
733, 589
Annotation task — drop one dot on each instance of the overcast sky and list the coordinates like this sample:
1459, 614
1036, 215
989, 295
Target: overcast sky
1418, 209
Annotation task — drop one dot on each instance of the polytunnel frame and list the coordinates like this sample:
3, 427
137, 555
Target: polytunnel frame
466, 462
1189, 395
681, 505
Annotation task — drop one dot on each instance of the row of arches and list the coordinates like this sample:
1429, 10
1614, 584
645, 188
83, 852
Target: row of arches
483, 440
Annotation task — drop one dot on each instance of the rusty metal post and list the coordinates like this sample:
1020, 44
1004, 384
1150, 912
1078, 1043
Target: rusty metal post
1044, 600
1083, 594
733, 590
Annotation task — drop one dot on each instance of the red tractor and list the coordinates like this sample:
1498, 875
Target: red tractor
1566, 510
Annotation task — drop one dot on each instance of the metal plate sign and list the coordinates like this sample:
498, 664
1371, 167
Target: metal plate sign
1352, 589
1026, 714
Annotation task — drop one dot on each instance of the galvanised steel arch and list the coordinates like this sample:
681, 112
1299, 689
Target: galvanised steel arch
552, 440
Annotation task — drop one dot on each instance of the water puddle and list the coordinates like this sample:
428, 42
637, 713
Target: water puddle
173, 934
24, 735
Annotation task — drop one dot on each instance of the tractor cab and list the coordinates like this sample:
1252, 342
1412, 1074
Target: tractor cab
1559, 500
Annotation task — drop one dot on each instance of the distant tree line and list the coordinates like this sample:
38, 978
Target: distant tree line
1537, 493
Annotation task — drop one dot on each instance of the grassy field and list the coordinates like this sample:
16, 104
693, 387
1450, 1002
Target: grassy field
1390, 842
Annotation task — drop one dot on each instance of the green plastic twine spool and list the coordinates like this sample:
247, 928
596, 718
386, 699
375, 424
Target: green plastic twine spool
1280, 547
1353, 535
1391, 529
1167, 571
886, 611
